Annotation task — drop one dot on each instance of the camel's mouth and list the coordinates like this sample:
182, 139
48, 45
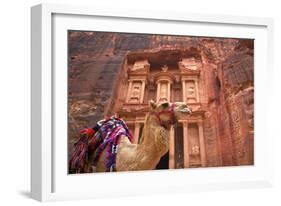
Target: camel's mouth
185, 109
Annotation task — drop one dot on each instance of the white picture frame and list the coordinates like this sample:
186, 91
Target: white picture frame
48, 178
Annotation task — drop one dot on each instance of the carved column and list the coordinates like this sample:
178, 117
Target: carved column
197, 91
185, 144
169, 92
183, 91
172, 148
142, 91
129, 90
158, 91
136, 133
202, 145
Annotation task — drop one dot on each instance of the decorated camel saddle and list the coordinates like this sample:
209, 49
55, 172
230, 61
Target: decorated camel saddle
104, 137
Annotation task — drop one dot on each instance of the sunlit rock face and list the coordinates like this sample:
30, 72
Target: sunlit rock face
219, 133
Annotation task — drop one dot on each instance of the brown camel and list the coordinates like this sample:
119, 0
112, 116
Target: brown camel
154, 141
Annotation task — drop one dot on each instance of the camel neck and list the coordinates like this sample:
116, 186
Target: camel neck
151, 124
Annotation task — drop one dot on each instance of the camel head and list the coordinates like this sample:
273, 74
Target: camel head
168, 113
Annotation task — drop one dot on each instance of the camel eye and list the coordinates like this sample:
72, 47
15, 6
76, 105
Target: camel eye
165, 105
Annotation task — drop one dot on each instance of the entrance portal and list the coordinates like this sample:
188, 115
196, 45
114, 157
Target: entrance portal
179, 154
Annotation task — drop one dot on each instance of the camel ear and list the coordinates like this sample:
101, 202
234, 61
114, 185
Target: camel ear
152, 104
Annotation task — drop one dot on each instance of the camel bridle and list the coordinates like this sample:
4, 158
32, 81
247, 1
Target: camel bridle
171, 112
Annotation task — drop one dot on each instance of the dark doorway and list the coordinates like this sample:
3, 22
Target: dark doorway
179, 157
164, 162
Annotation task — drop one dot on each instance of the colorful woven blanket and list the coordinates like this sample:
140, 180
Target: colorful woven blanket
105, 138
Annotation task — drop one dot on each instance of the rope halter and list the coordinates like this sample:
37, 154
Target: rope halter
170, 112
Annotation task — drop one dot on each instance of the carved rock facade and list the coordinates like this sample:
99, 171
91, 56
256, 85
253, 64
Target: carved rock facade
119, 73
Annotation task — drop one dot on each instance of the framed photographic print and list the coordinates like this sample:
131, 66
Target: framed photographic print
135, 102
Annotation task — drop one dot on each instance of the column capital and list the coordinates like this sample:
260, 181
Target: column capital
138, 122
184, 122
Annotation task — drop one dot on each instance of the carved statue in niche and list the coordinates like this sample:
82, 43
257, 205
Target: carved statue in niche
163, 92
195, 150
165, 68
140, 65
188, 63
135, 93
190, 91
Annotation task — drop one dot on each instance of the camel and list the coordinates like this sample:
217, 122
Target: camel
154, 141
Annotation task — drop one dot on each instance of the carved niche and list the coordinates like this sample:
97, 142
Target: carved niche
163, 92
191, 92
141, 66
135, 95
137, 74
188, 64
194, 148
190, 78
